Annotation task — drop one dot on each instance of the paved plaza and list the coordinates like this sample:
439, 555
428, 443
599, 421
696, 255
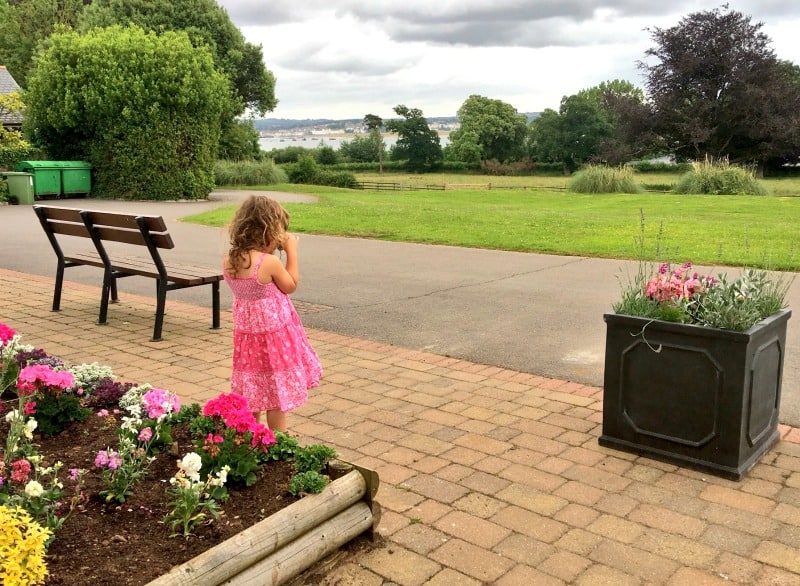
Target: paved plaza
489, 475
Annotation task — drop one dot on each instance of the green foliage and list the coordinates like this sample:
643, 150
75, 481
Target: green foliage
489, 129
55, 412
23, 25
719, 178
284, 448
248, 173
660, 167
239, 141
604, 179
144, 109
326, 155
418, 145
208, 25
362, 149
307, 171
3, 190
718, 89
313, 458
307, 482
290, 154
495, 167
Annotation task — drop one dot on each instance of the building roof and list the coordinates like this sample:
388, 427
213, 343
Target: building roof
7, 86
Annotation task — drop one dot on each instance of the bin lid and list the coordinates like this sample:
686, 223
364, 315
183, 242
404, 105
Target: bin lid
33, 165
14, 174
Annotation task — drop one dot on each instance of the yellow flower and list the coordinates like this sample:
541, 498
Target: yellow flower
22, 548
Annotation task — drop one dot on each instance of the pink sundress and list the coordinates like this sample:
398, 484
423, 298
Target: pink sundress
273, 363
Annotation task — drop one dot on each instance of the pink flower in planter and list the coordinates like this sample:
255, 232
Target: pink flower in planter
6, 333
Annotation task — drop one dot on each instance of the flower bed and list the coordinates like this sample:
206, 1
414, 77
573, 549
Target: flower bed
119, 484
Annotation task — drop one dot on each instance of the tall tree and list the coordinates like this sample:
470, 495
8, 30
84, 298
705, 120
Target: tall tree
143, 108
25, 23
418, 144
718, 89
489, 129
207, 24
373, 123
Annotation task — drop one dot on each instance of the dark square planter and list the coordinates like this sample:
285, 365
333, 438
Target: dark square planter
698, 397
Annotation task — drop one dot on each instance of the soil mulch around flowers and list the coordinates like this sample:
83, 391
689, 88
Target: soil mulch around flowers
129, 544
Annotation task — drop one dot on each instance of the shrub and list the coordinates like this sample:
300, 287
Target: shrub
604, 179
23, 547
308, 482
495, 167
313, 458
248, 173
3, 190
719, 178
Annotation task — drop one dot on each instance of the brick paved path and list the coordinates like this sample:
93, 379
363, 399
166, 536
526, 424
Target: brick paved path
488, 476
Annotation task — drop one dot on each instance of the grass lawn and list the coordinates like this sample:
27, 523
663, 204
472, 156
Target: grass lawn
707, 230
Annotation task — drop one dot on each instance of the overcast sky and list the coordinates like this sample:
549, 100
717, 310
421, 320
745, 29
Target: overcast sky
347, 58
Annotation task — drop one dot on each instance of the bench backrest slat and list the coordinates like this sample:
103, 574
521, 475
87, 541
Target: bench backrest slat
110, 226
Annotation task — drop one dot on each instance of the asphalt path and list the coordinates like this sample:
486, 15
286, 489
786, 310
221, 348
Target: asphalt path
528, 312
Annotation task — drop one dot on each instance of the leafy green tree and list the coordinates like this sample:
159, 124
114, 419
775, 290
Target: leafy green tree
12, 145
207, 24
572, 135
25, 23
489, 129
326, 155
143, 108
417, 143
373, 124
240, 142
718, 89
362, 149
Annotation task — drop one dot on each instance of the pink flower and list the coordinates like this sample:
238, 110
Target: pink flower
145, 435
20, 470
73, 474
101, 460
43, 378
158, 402
6, 333
102, 413
114, 460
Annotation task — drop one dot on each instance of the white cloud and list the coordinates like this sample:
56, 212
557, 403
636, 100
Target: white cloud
347, 58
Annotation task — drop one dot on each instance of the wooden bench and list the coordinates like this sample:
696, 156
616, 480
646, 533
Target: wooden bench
147, 231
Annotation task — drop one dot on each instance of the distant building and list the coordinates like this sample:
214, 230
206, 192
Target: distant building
8, 86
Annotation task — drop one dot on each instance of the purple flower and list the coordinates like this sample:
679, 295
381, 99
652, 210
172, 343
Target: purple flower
101, 460
114, 460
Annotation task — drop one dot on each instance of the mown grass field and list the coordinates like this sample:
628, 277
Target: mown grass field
708, 230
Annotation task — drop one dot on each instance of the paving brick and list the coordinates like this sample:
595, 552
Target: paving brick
484, 483
483, 444
400, 565
531, 499
420, 538
601, 575
576, 515
524, 575
736, 569
525, 549
473, 561
454, 473
472, 529
597, 478
616, 528
525, 475
480, 505
737, 499
398, 499
729, 539
579, 492
695, 577
778, 555
626, 558
449, 577
530, 523
427, 511
436, 488
685, 551
667, 520
565, 565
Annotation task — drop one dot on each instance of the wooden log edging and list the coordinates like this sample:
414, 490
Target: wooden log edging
285, 544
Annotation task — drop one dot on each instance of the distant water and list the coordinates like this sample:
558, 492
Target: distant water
312, 142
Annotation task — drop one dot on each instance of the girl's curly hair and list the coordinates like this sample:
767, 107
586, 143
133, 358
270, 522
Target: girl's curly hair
258, 223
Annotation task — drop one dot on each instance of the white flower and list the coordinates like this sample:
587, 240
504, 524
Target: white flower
12, 415
191, 465
29, 427
33, 489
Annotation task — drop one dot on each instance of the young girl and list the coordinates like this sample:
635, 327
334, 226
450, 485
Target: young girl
273, 363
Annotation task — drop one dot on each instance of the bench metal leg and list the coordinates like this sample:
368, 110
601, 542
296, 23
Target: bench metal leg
108, 283
215, 305
161, 302
57, 290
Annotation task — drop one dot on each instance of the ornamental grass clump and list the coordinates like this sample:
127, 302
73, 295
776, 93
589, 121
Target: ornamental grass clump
684, 296
719, 177
604, 179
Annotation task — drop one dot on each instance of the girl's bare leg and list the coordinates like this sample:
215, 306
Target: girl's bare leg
259, 416
276, 420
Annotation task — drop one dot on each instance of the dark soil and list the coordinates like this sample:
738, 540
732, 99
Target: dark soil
129, 544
